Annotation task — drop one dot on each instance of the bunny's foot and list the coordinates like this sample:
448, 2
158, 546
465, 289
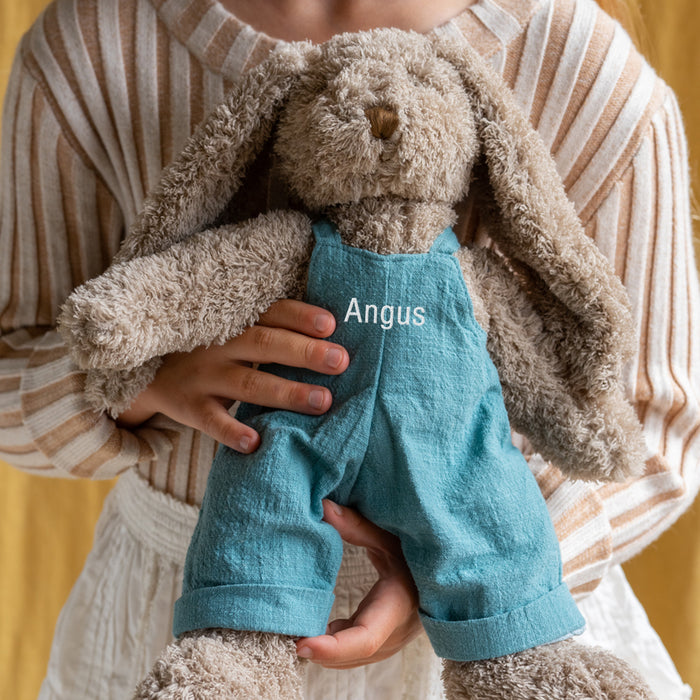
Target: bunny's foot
225, 665
560, 671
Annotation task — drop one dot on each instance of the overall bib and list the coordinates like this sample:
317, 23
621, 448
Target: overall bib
418, 441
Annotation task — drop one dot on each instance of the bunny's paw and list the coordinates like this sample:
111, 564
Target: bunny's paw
560, 671
225, 665
105, 326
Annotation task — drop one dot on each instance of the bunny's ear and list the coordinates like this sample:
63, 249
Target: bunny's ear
196, 187
577, 295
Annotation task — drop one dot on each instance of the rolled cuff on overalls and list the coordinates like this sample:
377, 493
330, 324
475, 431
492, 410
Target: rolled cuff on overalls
548, 619
298, 612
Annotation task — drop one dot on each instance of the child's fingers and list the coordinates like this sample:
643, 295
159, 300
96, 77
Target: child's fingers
241, 383
299, 316
384, 622
348, 648
337, 625
265, 344
386, 619
192, 387
383, 548
355, 529
213, 419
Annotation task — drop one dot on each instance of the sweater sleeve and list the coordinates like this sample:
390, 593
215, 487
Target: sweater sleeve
654, 256
643, 225
59, 225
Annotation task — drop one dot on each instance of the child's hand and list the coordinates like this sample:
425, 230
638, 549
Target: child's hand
198, 388
386, 619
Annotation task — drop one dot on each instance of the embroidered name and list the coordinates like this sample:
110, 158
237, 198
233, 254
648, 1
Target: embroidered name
386, 315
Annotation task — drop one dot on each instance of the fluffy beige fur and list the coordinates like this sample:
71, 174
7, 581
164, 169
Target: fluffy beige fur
557, 321
561, 670
226, 665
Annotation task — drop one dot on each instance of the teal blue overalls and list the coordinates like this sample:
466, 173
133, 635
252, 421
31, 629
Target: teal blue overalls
418, 441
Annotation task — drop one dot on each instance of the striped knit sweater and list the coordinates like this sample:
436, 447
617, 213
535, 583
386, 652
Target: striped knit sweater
104, 93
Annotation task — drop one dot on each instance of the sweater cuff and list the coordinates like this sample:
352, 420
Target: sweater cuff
63, 426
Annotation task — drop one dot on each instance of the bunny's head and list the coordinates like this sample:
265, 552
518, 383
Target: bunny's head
382, 116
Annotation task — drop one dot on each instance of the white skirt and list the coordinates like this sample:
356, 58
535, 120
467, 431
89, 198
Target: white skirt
118, 616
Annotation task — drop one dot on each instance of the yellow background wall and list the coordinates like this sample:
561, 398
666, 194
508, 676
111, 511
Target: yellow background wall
46, 525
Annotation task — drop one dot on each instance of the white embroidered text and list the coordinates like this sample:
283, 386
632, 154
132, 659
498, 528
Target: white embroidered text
386, 315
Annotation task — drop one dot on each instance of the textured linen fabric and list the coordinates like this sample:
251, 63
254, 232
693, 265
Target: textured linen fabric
417, 440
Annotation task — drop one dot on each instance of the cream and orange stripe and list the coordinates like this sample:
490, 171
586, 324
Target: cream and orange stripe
92, 115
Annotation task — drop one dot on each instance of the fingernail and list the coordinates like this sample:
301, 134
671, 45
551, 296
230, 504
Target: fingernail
317, 399
322, 323
338, 510
247, 443
334, 357
305, 653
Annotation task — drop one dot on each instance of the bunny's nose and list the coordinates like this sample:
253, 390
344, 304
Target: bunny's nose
383, 121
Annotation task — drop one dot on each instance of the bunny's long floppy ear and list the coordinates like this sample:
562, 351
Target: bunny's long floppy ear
574, 289
199, 183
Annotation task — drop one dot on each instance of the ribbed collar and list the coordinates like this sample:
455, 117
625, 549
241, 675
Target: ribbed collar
228, 46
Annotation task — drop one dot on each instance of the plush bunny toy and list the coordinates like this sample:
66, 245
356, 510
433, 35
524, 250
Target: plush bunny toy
380, 134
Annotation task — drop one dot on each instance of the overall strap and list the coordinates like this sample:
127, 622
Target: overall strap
446, 242
324, 230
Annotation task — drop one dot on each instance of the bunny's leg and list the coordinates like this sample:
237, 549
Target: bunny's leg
219, 664
261, 557
561, 671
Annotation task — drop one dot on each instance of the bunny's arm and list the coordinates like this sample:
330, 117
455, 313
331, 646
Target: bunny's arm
200, 291
588, 436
